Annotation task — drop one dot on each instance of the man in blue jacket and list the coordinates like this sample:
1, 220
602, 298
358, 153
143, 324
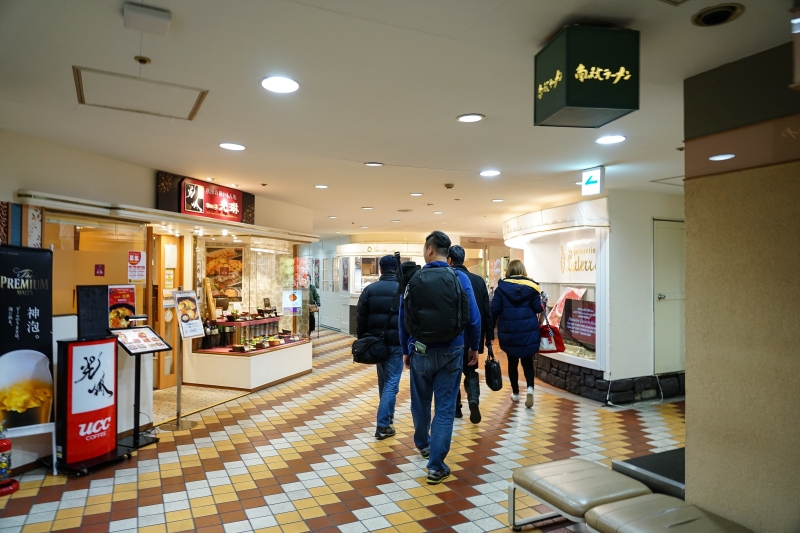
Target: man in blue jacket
436, 369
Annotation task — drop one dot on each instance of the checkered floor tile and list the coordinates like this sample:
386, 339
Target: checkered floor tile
301, 456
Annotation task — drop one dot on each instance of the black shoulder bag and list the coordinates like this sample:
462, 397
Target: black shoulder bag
371, 350
494, 376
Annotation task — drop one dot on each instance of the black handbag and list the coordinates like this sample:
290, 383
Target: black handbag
492, 372
371, 350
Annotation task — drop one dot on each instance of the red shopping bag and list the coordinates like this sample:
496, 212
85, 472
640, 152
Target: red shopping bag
551, 340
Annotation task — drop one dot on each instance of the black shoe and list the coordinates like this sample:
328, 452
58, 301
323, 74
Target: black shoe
384, 433
435, 477
458, 412
474, 412
425, 452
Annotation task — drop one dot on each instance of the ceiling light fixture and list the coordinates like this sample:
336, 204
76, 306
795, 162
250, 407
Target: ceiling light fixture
234, 185
224, 232
337, 231
578, 183
490, 173
364, 227
373, 164
395, 221
437, 212
416, 194
321, 186
332, 216
232, 146
209, 179
366, 208
471, 117
278, 84
610, 139
497, 200
721, 157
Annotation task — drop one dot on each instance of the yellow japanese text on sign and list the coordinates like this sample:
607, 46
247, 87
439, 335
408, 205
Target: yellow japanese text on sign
552, 83
601, 74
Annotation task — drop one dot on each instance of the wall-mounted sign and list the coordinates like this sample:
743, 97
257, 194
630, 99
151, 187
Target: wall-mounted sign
586, 77
99, 270
203, 199
593, 181
292, 301
137, 266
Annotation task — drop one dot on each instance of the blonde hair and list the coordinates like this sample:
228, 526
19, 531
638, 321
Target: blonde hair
516, 268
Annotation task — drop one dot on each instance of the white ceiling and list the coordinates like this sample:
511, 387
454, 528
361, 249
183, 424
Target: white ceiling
381, 80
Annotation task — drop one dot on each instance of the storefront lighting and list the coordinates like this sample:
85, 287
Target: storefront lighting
235, 185
232, 146
721, 157
490, 173
437, 212
224, 232
265, 250
209, 179
373, 164
364, 227
416, 194
610, 139
471, 117
321, 186
395, 221
278, 84
337, 231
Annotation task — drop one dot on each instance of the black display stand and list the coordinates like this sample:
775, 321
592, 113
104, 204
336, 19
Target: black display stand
662, 472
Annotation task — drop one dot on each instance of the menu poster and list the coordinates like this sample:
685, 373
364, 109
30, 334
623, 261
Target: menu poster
26, 330
224, 268
188, 313
121, 305
137, 266
579, 322
292, 302
140, 340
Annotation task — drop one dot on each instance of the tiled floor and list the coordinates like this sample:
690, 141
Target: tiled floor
301, 457
192, 399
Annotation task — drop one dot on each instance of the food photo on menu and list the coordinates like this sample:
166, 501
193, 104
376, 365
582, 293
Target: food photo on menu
224, 269
187, 309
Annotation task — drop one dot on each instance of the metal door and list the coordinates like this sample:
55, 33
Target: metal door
668, 296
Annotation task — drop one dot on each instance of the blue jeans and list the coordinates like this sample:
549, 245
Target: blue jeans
389, 373
435, 374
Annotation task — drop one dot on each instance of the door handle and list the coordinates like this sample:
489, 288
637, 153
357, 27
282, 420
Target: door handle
662, 296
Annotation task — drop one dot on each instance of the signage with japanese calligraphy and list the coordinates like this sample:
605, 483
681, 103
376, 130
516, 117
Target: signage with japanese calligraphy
26, 331
181, 194
586, 77
87, 423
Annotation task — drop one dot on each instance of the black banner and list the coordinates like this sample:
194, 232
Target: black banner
26, 332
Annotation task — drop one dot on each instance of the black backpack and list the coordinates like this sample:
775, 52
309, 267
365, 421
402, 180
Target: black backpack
435, 305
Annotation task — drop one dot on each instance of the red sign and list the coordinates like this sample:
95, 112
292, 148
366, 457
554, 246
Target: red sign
91, 423
201, 199
99, 270
121, 305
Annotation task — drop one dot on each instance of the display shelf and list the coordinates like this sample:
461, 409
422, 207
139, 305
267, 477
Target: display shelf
226, 350
255, 322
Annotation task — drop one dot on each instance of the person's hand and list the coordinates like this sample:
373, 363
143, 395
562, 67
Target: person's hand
407, 361
473, 358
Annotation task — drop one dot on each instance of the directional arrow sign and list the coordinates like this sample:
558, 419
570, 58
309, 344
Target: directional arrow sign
593, 181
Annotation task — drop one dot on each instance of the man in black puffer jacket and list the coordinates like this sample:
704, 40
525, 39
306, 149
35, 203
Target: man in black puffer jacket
377, 310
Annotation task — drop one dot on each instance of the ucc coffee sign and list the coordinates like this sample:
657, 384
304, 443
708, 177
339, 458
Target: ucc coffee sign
586, 77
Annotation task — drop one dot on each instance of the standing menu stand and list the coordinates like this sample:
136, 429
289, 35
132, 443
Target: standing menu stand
137, 341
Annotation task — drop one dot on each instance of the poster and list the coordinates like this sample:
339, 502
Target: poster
292, 302
140, 340
121, 305
316, 273
224, 268
345, 274
90, 428
169, 278
137, 267
579, 322
26, 330
188, 314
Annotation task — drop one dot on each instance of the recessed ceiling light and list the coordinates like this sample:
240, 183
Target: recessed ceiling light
395, 221
321, 186
278, 84
721, 157
232, 146
497, 200
337, 231
209, 179
471, 117
364, 227
578, 183
332, 217
610, 139
224, 232
234, 185
373, 164
428, 204
367, 208
437, 212
416, 194
490, 173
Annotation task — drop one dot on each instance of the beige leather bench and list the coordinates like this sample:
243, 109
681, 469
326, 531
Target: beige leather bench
570, 487
656, 513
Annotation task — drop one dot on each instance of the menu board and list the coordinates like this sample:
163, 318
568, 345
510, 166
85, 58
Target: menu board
188, 314
121, 305
224, 269
579, 322
140, 340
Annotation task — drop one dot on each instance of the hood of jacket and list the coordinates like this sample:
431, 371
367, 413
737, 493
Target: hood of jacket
518, 288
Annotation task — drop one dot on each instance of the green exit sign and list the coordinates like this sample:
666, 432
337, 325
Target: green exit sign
586, 77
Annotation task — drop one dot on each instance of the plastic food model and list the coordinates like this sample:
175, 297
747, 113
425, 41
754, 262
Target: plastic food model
26, 388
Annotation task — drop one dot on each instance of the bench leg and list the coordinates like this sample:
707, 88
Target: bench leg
512, 501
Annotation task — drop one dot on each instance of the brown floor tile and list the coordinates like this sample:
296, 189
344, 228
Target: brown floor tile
234, 516
124, 514
99, 518
228, 507
315, 524
205, 521
343, 518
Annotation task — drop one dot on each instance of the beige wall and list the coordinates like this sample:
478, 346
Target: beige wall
742, 357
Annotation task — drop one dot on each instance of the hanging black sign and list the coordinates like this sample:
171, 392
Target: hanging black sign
26, 330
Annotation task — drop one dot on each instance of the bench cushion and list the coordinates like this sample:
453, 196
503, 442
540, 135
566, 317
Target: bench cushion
657, 513
574, 485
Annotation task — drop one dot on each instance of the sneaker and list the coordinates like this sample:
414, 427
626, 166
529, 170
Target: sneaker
514, 396
458, 412
425, 452
384, 433
435, 477
474, 412
529, 398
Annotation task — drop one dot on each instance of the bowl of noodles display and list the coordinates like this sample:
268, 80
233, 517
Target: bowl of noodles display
26, 388
118, 315
187, 309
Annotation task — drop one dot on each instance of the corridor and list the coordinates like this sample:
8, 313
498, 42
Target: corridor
300, 456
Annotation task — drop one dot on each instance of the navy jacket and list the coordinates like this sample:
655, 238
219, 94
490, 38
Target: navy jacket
515, 305
482, 299
373, 309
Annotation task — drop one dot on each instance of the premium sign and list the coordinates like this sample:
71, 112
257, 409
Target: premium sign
203, 199
26, 331
586, 77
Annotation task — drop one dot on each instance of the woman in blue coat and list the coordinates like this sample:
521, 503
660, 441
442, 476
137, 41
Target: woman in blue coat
517, 300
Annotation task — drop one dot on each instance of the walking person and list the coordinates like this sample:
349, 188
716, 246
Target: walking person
438, 320
455, 258
517, 300
313, 307
378, 310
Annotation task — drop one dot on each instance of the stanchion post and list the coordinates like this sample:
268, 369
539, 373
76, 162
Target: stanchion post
180, 424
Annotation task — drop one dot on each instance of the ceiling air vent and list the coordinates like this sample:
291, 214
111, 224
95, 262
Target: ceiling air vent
673, 2
717, 15
129, 93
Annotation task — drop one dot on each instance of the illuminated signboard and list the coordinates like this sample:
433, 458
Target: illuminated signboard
203, 199
593, 181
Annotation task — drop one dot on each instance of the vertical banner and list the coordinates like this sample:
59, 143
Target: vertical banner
188, 313
26, 336
91, 377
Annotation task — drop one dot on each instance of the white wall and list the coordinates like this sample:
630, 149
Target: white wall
631, 277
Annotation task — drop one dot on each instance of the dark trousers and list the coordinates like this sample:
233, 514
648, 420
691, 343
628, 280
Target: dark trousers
312, 322
513, 372
471, 382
